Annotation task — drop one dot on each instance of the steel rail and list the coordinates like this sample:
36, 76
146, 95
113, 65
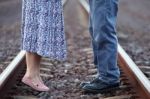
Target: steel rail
11, 68
10, 74
136, 77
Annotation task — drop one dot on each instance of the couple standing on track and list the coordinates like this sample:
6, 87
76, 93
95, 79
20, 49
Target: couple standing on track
43, 35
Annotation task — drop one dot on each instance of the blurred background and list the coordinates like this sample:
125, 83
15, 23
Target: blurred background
10, 21
133, 28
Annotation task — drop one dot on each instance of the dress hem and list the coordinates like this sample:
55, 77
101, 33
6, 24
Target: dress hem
42, 55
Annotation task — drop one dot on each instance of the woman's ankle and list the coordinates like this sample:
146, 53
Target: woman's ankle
31, 75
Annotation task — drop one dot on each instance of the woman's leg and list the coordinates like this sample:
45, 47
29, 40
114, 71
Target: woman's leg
33, 65
32, 75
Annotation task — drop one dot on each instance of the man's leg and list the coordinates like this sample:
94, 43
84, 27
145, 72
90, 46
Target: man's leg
93, 44
103, 15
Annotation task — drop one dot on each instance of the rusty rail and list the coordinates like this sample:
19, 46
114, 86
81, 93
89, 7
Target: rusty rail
136, 77
9, 75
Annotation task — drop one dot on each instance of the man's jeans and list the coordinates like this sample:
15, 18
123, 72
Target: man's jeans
103, 14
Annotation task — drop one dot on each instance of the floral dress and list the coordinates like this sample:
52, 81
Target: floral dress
43, 28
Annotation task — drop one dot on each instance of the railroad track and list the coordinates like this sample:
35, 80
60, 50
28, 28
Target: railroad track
134, 83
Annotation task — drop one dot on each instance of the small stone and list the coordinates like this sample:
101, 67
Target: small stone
76, 80
83, 96
92, 71
68, 65
66, 71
